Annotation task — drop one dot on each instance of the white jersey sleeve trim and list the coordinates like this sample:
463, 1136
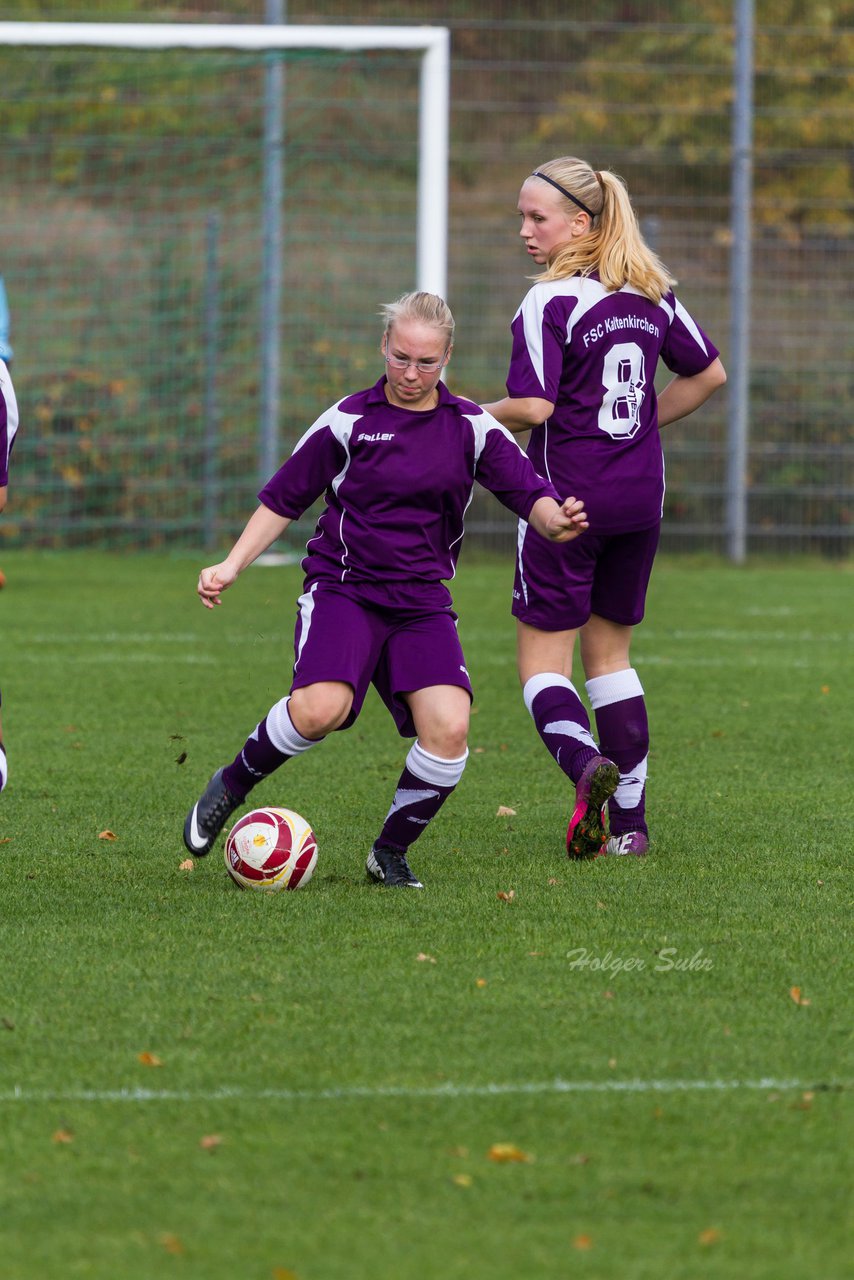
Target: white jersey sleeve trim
690, 325
481, 425
341, 425
587, 292
7, 391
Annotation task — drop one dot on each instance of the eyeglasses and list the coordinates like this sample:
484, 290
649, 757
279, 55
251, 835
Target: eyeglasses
423, 366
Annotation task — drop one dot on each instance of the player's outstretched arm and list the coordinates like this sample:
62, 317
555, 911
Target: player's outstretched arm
518, 415
559, 523
262, 530
3, 491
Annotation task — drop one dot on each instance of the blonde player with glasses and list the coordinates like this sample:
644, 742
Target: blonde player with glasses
396, 465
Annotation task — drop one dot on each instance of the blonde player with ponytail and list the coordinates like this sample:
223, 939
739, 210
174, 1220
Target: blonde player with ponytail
587, 340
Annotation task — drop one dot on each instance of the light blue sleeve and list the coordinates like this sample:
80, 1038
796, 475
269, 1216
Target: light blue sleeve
5, 323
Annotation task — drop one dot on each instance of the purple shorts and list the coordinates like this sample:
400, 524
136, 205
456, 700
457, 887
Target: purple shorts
559, 585
339, 638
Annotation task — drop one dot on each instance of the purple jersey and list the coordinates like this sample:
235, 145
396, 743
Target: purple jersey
593, 354
8, 422
397, 483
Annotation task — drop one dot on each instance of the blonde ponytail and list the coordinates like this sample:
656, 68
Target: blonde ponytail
614, 246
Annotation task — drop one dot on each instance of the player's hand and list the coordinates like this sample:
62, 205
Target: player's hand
568, 521
214, 580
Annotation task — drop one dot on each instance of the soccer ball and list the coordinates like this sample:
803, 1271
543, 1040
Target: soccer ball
270, 850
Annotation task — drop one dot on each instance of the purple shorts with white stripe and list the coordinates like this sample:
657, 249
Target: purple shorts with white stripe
559, 585
339, 638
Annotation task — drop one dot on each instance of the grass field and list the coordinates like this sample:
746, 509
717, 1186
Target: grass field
203, 1083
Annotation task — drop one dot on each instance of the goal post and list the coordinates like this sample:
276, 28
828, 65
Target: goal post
433, 43
147, 254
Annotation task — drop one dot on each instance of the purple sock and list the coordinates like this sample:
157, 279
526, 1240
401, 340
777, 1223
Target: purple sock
270, 744
422, 789
561, 721
621, 722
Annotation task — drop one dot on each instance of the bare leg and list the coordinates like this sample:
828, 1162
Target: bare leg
433, 768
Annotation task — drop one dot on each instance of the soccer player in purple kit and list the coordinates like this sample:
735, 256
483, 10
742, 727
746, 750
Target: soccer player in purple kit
396, 464
587, 339
8, 429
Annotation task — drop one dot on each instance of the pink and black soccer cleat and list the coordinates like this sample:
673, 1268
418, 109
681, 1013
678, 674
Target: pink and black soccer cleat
586, 833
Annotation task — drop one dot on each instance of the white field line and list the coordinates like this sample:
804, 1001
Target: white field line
125, 659
724, 635
360, 1092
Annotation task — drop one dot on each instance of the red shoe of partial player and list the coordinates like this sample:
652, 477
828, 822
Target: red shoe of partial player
586, 833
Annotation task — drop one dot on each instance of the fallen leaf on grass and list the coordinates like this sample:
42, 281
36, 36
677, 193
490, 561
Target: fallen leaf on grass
7, 1024
507, 1153
187, 865
505, 812
149, 1060
62, 1136
462, 1179
171, 1243
607, 995
798, 997
284, 1273
612, 1062
582, 1242
581, 1158
422, 955
107, 835
480, 982
552, 879
8, 840
210, 1141
711, 1235
506, 897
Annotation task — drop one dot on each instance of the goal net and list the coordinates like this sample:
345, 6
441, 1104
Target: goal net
197, 227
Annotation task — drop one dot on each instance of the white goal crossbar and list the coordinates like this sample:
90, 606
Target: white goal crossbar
432, 42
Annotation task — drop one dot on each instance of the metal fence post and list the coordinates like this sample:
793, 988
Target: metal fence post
740, 283
210, 476
271, 266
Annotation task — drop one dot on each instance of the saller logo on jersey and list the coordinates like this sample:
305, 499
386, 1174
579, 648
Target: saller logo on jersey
378, 435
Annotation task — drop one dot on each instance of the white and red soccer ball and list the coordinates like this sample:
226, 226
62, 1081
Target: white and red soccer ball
271, 850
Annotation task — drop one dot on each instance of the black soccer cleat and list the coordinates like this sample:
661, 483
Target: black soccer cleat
390, 868
208, 816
